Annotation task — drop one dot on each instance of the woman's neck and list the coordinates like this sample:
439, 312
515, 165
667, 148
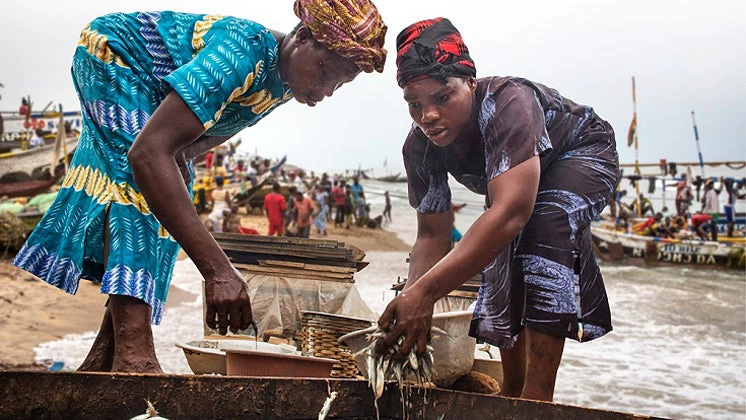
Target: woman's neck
282, 53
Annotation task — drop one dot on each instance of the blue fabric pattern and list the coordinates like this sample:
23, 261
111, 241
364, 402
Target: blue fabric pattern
226, 71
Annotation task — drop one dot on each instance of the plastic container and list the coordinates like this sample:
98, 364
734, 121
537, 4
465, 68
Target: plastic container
208, 356
202, 358
453, 354
259, 363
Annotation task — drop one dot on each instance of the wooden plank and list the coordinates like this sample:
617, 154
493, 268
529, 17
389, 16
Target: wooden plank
298, 252
461, 291
300, 274
287, 270
251, 258
299, 277
322, 252
305, 266
248, 239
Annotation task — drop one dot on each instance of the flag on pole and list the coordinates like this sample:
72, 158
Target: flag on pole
632, 132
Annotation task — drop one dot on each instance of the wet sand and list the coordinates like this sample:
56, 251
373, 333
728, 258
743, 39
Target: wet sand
33, 312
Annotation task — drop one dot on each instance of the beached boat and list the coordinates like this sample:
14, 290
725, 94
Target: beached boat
254, 196
33, 162
29, 171
615, 246
388, 178
89, 395
27, 188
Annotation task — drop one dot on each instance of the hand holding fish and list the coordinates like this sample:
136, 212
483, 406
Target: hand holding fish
409, 315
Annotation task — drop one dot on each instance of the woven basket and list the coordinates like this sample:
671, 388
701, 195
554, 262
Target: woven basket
320, 332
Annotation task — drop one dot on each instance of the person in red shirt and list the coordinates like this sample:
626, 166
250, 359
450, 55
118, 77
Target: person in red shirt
338, 198
700, 223
304, 211
275, 208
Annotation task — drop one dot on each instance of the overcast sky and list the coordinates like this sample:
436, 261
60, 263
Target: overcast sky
686, 55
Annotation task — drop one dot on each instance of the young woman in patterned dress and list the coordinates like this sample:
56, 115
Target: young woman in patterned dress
546, 166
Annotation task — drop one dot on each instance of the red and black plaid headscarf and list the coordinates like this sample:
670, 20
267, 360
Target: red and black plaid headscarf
432, 48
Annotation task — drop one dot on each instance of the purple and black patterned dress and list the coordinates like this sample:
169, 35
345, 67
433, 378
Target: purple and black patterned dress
548, 278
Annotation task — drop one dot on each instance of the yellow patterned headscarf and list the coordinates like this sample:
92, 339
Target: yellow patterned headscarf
351, 28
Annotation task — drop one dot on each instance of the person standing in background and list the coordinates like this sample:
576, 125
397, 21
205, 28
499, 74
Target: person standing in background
357, 196
731, 187
322, 200
338, 198
220, 200
387, 207
303, 214
711, 207
275, 207
684, 196
349, 207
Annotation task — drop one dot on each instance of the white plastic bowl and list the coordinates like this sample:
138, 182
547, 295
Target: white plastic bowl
453, 354
208, 356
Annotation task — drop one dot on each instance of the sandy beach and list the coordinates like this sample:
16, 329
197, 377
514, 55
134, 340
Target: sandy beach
33, 312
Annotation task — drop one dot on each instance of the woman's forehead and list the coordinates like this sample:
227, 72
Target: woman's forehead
427, 86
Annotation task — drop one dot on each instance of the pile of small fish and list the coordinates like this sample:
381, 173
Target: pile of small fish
415, 368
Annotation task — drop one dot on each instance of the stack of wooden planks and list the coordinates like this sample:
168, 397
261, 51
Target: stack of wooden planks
300, 258
470, 289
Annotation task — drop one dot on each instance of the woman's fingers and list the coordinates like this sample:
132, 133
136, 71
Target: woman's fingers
222, 320
210, 317
410, 337
235, 318
422, 341
385, 320
246, 316
391, 338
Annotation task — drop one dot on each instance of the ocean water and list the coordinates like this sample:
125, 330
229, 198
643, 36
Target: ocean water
678, 348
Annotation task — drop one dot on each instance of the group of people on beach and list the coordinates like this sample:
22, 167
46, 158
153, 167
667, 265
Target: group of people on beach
305, 204
546, 165
683, 223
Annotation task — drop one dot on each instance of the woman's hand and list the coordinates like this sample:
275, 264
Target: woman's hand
227, 298
410, 314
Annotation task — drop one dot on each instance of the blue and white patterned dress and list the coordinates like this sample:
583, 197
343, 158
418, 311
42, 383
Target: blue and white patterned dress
226, 71
548, 278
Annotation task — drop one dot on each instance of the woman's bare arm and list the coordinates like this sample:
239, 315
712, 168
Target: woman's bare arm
153, 158
513, 195
433, 243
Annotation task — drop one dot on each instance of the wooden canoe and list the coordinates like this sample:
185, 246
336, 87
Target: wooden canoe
43, 395
27, 188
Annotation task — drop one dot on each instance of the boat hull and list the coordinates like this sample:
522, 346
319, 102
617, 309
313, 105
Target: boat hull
32, 161
42, 395
388, 178
632, 249
27, 188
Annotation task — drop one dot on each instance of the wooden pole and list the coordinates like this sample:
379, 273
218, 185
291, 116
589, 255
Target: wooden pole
637, 160
699, 151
